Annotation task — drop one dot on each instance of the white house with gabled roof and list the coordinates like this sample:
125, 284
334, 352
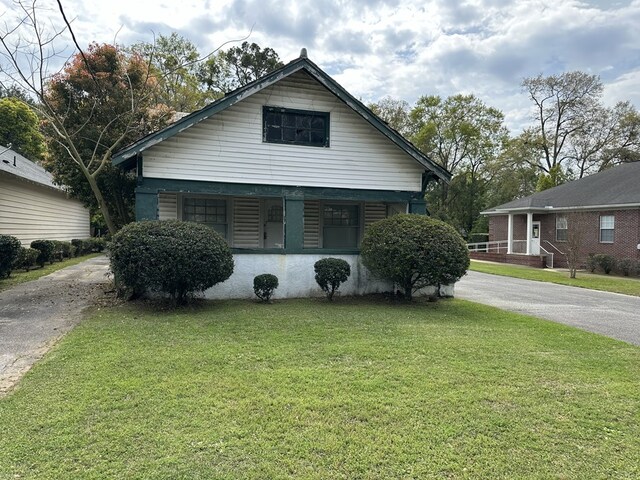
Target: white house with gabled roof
290, 168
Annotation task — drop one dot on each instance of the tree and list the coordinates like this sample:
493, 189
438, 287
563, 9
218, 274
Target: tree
573, 132
238, 66
577, 224
395, 113
462, 134
19, 129
552, 179
176, 63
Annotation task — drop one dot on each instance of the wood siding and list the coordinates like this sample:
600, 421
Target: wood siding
246, 223
228, 147
31, 212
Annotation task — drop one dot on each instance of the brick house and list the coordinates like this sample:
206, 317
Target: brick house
533, 230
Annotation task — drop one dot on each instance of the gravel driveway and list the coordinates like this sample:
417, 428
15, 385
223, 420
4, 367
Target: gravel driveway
34, 315
610, 314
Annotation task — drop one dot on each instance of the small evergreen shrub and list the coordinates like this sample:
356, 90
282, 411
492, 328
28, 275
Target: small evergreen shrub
414, 251
169, 256
46, 248
60, 250
26, 258
264, 285
627, 266
330, 274
81, 246
96, 244
605, 262
592, 262
9, 251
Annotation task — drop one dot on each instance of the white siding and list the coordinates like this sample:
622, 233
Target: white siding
167, 206
228, 147
31, 212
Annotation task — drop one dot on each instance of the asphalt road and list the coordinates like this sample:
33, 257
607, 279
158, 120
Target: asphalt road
611, 314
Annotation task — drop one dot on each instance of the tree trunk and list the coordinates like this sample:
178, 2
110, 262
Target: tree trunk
102, 205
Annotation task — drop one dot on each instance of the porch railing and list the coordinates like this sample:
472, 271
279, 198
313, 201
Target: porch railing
501, 246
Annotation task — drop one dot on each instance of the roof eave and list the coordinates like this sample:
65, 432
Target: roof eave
551, 209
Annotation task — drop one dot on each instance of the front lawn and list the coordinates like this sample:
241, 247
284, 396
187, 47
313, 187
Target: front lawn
605, 283
359, 388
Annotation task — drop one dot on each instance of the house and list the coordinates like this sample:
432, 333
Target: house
32, 207
534, 230
290, 168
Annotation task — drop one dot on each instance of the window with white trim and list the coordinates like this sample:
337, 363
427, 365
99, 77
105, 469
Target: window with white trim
340, 225
607, 225
561, 228
207, 211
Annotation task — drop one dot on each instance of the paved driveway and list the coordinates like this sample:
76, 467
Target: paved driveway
610, 314
34, 315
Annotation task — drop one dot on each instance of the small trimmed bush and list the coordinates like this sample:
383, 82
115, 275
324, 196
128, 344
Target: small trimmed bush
264, 285
61, 250
81, 246
592, 263
9, 251
330, 274
414, 251
26, 258
96, 244
169, 256
46, 248
627, 266
605, 262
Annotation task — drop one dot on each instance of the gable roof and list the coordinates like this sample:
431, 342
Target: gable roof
617, 187
231, 98
15, 164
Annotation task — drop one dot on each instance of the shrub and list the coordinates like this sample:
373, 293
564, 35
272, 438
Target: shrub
46, 248
414, 251
96, 244
592, 263
169, 256
9, 251
264, 286
26, 258
81, 246
605, 262
330, 274
60, 249
627, 266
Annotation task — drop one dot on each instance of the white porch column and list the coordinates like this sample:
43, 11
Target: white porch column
529, 228
510, 234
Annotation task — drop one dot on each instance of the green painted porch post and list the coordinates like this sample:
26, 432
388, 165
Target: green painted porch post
146, 206
294, 223
418, 207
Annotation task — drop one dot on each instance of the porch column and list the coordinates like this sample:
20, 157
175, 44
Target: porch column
293, 223
146, 206
529, 228
510, 234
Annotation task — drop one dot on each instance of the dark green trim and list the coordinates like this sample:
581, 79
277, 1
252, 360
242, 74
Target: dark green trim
155, 185
293, 223
297, 251
280, 128
146, 206
140, 167
418, 207
240, 94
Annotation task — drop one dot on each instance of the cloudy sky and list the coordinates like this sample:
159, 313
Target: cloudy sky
401, 48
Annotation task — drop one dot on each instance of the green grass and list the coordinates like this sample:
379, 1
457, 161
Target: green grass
606, 283
21, 276
307, 389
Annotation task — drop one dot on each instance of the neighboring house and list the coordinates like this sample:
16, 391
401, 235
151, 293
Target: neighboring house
32, 207
530, 229
289, 169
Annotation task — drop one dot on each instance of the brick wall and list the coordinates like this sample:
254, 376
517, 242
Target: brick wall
626, 233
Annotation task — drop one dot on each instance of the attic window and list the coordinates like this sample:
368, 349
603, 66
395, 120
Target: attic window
295, 127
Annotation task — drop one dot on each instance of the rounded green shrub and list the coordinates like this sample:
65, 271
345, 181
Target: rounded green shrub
26, 258
9, 251
169, 256
414, 251
81, 246
330, 274
264, 285
605, 262
46, 248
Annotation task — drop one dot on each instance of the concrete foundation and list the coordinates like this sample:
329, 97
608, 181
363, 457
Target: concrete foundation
297, 278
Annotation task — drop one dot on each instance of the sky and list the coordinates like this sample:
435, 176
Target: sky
398, 48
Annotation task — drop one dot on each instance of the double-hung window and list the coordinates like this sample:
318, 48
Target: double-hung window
561, 228
296, 127
208, 211
341, 225
607, 225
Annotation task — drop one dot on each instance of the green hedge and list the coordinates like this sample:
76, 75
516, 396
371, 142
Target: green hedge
264, 285
26, 258
9, 251
177, 258
330, 274
46, 249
